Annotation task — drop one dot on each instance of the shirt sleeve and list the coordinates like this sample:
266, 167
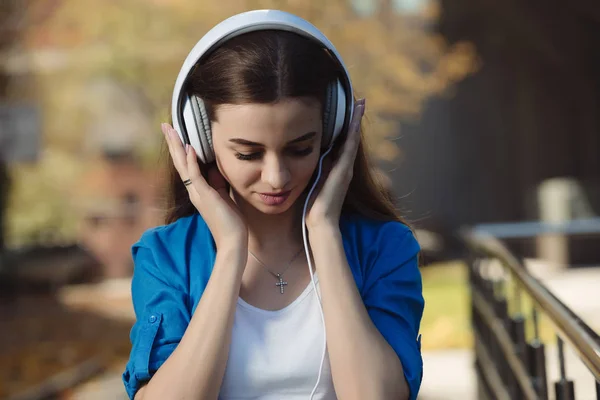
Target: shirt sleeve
162, 316
393, 296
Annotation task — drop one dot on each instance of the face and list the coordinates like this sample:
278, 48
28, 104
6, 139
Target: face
268, 152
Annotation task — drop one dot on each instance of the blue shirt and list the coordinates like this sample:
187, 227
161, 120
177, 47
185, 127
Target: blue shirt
172, 265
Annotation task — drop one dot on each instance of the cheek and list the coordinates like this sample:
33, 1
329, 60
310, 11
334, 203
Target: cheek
238, 173
304, 168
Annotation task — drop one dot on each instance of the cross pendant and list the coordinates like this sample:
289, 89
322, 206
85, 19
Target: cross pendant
281, 283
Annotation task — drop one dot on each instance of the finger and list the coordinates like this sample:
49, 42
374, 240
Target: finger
344, 167
354, 129
199, 184
176, 150
352, 141
357, 119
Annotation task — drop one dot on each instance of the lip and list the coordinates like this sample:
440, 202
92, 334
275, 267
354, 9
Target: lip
274, 199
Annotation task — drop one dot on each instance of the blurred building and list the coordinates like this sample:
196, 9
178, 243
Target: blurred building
118, 200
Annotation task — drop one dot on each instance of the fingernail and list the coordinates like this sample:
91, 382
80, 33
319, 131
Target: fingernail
163, 128
187, 149
361, 110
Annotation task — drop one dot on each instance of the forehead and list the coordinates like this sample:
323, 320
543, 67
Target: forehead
285, 119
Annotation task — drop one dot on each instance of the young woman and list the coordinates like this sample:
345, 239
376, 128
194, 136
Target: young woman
225, 304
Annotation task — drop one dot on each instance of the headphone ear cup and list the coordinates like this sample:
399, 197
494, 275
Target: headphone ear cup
339, 116
329, 114
202, 123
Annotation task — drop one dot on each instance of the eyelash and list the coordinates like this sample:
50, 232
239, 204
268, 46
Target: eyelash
255, 156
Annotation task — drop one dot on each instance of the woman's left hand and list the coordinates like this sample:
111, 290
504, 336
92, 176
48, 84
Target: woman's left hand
327, 206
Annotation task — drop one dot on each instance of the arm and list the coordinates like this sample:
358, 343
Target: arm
196, 352
363, 363
372, 336
195, 369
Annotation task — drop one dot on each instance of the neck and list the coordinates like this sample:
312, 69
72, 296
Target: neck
278, 234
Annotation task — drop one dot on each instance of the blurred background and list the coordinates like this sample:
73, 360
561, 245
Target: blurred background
480, 114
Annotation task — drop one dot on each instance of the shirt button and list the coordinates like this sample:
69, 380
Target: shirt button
152, 319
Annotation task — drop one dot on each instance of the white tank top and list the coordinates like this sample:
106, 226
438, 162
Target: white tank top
276, 355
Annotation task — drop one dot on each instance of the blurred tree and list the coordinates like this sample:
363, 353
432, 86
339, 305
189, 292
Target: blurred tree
394, 59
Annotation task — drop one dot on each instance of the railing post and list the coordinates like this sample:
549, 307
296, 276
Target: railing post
536, 360
517, 334
564, 389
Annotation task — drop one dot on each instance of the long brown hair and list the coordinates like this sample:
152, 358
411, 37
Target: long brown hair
266, 67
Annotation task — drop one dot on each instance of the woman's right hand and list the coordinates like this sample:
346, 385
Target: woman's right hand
211, 198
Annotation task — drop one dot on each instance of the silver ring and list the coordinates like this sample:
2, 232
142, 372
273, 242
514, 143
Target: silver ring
187, 182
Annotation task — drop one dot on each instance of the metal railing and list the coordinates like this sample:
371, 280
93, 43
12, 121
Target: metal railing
511, 358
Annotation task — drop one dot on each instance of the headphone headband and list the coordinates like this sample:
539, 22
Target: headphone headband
248, 22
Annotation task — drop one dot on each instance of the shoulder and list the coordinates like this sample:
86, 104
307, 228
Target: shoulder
374, 234
376, 249
167, 250
171, 234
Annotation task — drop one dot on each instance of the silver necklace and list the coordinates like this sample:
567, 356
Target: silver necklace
280, 282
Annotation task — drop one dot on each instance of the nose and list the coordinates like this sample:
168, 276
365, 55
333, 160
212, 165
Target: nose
275, 172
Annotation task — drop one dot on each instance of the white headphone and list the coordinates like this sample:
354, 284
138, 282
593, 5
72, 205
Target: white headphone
190, 118
189, 115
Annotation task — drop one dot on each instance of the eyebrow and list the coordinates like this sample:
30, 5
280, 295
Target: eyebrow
245, 142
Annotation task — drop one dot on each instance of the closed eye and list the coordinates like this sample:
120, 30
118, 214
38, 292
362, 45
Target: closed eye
248, 157
301, 152
294, 152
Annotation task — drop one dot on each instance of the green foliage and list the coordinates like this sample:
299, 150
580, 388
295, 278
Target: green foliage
446, 320
40, 207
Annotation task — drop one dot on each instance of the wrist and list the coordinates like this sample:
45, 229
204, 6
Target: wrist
323, 230
233, 243
233, 254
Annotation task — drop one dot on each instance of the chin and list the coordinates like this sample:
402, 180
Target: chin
272, 210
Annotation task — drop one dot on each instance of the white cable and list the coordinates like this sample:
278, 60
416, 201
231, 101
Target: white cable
312, 278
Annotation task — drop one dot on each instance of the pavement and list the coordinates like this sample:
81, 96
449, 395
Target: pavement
578, 288
448, 374
104, 387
